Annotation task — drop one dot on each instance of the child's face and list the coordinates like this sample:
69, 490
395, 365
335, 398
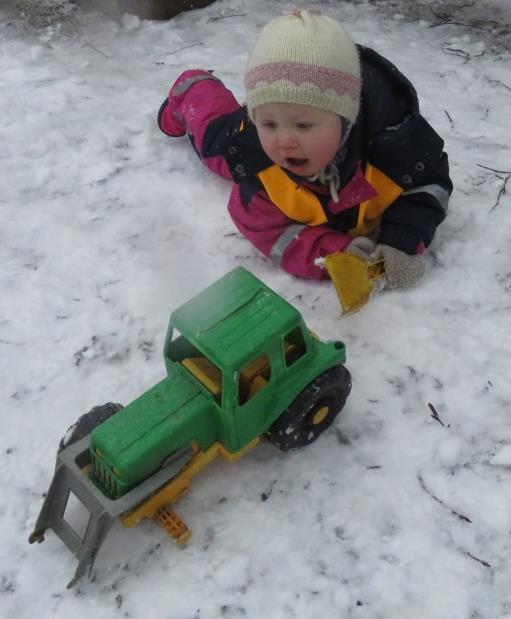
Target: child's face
300, 138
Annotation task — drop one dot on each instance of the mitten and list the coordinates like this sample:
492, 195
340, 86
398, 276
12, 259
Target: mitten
362, 246
401, 270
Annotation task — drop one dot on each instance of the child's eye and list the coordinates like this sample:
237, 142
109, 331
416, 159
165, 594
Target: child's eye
304, 125
269, 124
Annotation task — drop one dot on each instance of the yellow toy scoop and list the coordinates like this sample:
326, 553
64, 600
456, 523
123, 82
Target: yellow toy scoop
353, 279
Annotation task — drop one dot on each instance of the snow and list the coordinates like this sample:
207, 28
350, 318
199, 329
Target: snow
107, 225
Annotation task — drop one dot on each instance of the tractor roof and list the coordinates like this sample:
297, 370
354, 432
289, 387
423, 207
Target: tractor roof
231, 320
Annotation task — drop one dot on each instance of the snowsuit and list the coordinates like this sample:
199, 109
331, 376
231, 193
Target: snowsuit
395, 183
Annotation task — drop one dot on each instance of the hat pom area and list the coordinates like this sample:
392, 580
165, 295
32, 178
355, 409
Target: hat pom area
305, 58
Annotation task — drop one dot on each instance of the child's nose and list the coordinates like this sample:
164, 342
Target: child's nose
287, 140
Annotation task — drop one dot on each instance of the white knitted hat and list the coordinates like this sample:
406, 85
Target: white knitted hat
305, 58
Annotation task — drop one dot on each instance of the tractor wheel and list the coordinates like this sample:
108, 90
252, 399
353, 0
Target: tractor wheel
313, 411
86, 423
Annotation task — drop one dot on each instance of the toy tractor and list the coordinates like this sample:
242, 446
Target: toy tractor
240, 364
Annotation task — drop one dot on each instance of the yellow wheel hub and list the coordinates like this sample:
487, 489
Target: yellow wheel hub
320, 415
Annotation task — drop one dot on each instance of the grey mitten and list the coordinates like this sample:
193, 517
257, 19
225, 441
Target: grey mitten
362, 246
401, 270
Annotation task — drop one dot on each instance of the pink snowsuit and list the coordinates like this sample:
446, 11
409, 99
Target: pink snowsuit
201, 107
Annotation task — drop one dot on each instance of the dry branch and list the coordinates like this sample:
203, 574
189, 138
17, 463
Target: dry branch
226, 16
181, 49
502, 191
435, 498
479, 165
503, 188
434, 414
468, 554
97, 50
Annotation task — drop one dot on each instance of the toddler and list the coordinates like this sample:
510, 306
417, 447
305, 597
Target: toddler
329, 154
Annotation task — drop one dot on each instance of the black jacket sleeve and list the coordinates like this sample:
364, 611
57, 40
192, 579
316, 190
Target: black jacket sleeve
412, 156
403, 145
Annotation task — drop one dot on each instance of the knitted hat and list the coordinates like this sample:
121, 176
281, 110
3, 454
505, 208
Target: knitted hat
305, 58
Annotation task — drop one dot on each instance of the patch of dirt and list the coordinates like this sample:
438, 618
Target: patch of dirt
146, 9
39, 17
489, 22
485, 21
48, 19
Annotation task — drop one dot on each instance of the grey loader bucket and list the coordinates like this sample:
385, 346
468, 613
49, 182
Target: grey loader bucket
71, 477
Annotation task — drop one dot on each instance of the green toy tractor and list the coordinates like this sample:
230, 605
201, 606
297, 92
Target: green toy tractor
241, 364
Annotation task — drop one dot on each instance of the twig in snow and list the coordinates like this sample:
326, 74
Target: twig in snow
503, 188
97, 50
457, 52
485, 563
435, 498
183, 48
499, 83
450, 119
493, 170
445, 22
434, 414
226, 16
445, 19
502, 191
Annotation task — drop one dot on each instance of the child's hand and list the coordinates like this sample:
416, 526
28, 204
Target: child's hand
363, 247
401, 270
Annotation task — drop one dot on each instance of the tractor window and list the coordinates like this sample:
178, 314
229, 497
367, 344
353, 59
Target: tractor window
294, 346
254, 377
206, 373
200, 367
180, 347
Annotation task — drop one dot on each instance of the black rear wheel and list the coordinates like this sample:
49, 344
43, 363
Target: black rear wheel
88, 422
313, 411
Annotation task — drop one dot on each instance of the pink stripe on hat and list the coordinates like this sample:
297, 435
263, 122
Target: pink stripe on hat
300, 73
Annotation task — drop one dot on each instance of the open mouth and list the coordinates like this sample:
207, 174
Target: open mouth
295, 162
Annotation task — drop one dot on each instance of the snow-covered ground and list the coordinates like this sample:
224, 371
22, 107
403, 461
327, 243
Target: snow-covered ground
106, 225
